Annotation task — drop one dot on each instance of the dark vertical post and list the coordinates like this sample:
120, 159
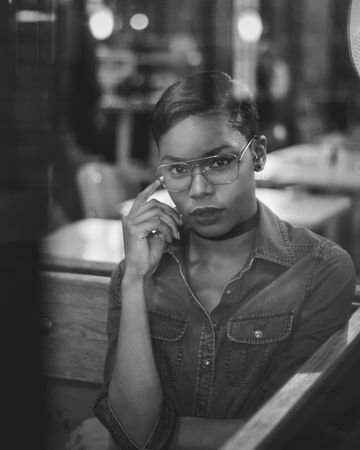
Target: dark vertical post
24, 138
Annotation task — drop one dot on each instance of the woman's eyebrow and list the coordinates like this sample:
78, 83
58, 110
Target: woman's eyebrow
211, 152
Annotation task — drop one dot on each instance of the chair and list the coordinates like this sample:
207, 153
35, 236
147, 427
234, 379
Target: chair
102, 187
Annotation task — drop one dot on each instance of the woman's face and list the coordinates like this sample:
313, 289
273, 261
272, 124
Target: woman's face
211, 210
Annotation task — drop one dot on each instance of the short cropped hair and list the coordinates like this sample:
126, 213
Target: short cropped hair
202, 94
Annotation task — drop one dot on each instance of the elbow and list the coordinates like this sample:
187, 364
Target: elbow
120, 434
127, 432
137, 413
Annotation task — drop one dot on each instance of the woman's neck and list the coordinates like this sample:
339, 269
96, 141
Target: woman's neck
239, 240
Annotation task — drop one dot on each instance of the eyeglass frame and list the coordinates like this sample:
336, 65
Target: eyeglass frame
202, 170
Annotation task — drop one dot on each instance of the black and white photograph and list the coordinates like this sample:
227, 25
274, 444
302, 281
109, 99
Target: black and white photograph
180, 224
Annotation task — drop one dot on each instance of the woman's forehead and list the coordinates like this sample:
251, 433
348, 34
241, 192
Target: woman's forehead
197, 135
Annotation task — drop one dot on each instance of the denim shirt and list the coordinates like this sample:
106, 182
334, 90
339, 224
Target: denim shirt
294, 292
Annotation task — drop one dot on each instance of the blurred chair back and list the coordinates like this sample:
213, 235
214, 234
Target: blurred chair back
102, 187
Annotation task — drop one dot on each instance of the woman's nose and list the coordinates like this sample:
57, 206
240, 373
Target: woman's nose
200, 186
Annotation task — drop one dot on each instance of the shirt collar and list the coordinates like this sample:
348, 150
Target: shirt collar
272, 241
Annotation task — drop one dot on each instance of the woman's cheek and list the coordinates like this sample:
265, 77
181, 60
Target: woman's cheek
179, 203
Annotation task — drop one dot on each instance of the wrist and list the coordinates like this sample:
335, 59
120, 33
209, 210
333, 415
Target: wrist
132, 278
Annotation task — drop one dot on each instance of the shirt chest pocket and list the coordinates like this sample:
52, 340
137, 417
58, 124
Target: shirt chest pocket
167, 334
252, 342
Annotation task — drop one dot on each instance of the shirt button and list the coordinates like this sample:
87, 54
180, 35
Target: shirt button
206, 364
258, 334
229, 292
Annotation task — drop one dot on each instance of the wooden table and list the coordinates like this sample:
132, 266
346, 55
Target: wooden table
90, 246
312, 166
94, 246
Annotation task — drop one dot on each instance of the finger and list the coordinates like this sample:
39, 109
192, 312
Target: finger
152, 217
147, 192
163, 231
155, 205
168, 209
157, 211
138, 208
142, 197
146, 229
179, 214
159, 241
169, 221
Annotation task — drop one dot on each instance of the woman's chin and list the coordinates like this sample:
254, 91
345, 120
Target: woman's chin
210, 231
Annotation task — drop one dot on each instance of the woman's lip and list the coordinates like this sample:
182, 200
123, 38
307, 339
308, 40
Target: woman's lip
205, 210
206, 215
199, 210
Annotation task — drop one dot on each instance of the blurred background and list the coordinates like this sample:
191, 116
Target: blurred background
86, 74
78, 79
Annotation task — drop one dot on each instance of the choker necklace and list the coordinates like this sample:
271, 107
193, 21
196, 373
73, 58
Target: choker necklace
237, 230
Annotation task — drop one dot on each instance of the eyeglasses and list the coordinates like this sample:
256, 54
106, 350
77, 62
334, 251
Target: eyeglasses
217, 169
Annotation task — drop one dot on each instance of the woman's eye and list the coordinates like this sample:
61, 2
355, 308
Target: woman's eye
222, 161
178, 169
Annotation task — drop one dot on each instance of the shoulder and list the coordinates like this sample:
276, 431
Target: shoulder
326, 262
300, 248
330, 285
304, 241
334, 264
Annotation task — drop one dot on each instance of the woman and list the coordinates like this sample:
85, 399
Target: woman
218, 301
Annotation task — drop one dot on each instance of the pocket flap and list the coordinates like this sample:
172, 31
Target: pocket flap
166, 326
260, 328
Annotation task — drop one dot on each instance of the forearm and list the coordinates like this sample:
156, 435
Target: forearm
135, 392
193, 433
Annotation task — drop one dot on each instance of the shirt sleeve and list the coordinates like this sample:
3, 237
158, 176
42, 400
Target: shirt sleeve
164, 428
327, 307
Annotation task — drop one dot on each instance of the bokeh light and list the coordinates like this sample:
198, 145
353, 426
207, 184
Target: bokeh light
250, 26
139, 21
280, 132
101, 23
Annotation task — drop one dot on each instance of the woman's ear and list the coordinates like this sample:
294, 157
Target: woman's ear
259, 153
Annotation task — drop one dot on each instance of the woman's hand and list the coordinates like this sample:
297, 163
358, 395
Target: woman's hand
148, 228
91, 435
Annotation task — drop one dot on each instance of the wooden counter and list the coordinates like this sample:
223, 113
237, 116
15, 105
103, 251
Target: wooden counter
74, 342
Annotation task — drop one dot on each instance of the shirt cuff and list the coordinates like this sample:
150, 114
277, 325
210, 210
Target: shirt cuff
159, 439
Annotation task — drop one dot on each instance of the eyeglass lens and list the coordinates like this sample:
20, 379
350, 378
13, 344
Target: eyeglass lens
220, 169
217, 170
